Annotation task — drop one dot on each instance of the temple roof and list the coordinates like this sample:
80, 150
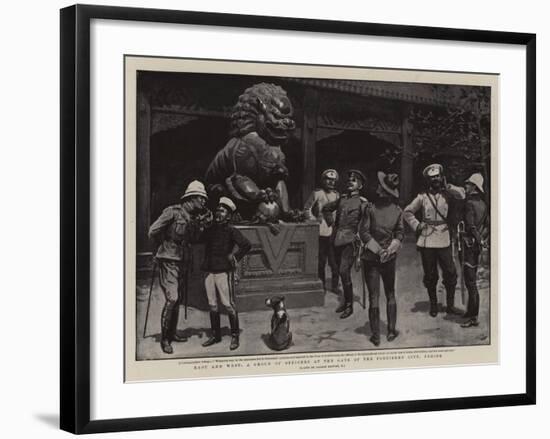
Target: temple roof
408, 92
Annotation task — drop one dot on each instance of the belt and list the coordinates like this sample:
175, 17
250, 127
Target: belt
435, 222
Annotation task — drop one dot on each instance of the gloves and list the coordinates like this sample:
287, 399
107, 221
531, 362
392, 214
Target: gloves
394, 246
386, 254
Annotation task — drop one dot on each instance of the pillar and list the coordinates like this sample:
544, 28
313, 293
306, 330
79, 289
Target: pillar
143, 176
309, 139
407, 160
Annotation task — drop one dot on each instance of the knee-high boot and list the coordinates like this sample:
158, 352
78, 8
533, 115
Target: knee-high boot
374, 321
432, 294
216, 335
450, 290
391, 311
174, 326
348, 301
165, 327
234, 323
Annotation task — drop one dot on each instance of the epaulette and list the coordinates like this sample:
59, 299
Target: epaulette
173, 207
363, 199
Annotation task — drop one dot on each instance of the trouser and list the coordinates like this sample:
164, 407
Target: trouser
326, 254
221, 282
431, 258
471, 261
344, 260
172, 282
374, 270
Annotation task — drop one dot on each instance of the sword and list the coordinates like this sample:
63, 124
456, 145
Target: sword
358, 264
232, 288
150, 294
185, 295
363, 282
460, 232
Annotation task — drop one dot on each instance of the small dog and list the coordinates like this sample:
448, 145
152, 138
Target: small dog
280, 337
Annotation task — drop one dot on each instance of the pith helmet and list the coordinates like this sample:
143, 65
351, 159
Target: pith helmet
195, 188
228, 203
477, 180
432, 170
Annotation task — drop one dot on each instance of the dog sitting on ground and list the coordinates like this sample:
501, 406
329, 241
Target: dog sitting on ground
280, 337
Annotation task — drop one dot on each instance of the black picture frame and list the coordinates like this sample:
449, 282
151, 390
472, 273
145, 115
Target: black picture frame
75, 217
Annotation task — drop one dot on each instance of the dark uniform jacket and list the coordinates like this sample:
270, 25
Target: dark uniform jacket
350, 209
475, 216
382, 223
172, 228
220, 241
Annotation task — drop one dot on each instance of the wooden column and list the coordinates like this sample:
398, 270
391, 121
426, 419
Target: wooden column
143, 176
309, 138
407, 160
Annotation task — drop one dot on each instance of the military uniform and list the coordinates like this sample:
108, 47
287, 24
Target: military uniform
221, 240
173, 254
318, 199
173, 229
434, 240
475, 233
350, 209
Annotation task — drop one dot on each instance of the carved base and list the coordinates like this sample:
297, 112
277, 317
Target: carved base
283, 264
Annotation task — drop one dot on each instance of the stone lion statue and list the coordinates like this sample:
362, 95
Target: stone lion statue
252, 160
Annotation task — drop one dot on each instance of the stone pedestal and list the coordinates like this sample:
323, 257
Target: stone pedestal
283, 264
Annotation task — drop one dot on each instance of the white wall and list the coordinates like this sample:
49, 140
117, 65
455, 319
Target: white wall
29, 220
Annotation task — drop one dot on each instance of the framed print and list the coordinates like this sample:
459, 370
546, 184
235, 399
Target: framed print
330, 213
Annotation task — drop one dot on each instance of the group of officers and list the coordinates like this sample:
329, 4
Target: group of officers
353, 232
368, 235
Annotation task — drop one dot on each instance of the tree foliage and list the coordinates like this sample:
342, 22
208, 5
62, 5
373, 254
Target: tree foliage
457, 135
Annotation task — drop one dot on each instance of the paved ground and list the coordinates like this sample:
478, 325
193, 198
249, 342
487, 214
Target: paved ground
319, 329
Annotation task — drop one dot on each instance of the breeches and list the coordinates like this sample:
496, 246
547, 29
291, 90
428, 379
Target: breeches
344, 260
471, 261
326, 254
373, 272
221, 283
431, 257
171, 279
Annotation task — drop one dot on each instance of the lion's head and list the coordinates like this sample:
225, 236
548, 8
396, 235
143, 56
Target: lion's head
265, 109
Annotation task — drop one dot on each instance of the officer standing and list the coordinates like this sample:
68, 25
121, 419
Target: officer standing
225, 246
434, 239
172, 229
382, 231
314, 210
473, 238
350, 208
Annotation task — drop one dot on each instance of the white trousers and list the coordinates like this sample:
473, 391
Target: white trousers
219, 282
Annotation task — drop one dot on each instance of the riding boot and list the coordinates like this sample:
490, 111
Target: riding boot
322, 277
432, 293
165, 326
334, 283
475, 303
234, 323
343, 303
450, 309
391, 311
473, 307
174, 325
348, 301
374, 321
216, 336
